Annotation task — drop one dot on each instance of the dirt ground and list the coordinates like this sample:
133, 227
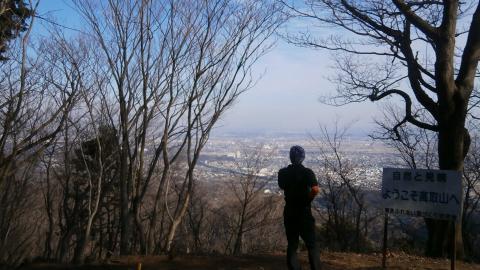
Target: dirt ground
331, 261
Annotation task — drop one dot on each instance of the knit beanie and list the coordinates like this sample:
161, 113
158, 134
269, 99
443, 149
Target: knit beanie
297, 154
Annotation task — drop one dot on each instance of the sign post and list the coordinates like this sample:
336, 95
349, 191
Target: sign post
435, 194
385, 237
453, 255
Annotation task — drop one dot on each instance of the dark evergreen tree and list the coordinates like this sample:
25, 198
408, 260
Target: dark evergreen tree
13, 20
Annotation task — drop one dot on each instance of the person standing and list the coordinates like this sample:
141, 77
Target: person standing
300, 187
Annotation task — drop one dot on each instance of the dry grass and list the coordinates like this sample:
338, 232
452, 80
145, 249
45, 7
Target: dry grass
331, 261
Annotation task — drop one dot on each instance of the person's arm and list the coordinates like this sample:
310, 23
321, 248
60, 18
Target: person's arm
314, 188
281, 179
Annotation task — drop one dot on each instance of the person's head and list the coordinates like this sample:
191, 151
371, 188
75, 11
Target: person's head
297, 154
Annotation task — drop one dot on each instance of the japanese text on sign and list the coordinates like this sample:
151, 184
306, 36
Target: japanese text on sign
426, 193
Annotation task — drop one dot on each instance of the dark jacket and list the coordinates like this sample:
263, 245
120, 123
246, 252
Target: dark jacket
297, 182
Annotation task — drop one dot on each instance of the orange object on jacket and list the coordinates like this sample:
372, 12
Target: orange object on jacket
315, 190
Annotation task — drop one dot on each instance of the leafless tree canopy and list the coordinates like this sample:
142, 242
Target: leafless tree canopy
110, 121
346, 216
423, 52
103, 127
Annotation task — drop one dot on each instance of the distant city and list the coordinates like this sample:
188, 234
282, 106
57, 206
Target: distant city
225, 154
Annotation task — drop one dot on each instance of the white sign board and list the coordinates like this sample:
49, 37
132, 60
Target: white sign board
423, 193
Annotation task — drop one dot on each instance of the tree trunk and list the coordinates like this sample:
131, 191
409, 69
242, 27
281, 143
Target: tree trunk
150, 241
125, 230
176, 221
237, 247
358, 219
141, 233
47, 253
63, 246
79, 256
453, 145
125, 218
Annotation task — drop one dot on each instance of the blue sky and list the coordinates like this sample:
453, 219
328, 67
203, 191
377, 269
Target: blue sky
285, 99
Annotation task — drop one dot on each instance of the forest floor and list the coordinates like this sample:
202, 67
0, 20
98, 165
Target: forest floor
330, 260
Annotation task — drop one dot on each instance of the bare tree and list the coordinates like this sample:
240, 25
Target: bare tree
471, 204
174, 68
118, 115
424, 52
344, 197
144, 59
19, 219
32, 112
250, 209
198, 220
219, 73
416, 146
49, 198
94, 163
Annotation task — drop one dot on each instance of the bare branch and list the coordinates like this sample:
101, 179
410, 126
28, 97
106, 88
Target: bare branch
409, 117
470, 56
421, 24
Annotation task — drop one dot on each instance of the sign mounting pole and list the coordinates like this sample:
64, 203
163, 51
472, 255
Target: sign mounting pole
453, 256
385, 236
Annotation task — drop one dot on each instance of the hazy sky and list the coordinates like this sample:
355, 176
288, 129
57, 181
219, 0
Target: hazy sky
285, 99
